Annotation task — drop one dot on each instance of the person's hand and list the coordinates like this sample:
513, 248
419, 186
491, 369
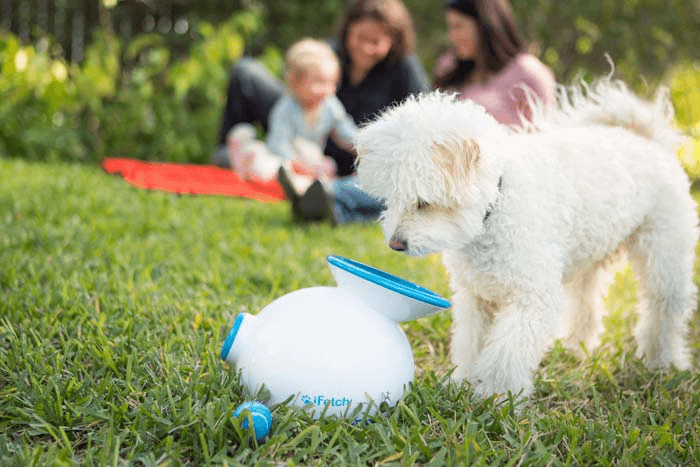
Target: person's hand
301, 167
326, 168
323, 168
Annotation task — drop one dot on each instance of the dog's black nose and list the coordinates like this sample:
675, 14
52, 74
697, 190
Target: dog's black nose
398, 243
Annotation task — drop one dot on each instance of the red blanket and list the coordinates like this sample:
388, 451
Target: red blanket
190, 179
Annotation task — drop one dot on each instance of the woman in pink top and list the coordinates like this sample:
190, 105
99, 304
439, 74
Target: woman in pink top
488, 62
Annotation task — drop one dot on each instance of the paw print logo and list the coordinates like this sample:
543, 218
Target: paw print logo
305, 399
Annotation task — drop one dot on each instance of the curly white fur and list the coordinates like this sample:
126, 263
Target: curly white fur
525, 220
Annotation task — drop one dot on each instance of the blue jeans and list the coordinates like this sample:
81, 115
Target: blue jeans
351, 204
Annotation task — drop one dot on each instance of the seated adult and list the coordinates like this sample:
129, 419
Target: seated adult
488, 62
376, 46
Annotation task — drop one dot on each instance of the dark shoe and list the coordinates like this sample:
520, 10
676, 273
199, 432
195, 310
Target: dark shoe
316, 204
289, 192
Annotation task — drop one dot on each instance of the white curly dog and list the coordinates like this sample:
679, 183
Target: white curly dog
526, 219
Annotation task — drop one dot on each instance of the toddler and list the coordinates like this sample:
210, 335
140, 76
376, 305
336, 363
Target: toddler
300, 122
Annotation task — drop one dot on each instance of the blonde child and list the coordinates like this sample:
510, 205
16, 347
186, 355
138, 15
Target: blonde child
300, 122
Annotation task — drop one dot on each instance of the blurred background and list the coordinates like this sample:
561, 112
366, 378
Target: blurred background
82, 80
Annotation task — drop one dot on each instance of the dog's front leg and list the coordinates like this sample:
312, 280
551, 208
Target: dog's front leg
515, 344
469, 321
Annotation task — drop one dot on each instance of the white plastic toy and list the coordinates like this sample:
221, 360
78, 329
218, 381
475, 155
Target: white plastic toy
332, 349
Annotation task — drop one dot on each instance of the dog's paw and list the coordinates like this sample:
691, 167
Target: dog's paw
459, 375
660, 360
579, 348
494, 378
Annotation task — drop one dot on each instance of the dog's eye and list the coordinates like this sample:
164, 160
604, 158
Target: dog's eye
422, 205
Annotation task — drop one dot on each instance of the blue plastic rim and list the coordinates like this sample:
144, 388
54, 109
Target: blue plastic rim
228, 343
388, 281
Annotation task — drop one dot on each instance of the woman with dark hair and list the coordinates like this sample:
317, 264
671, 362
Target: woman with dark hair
379, 68
488, 62
377, 51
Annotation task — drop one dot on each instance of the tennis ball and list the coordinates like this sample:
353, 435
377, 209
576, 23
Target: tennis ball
262, 418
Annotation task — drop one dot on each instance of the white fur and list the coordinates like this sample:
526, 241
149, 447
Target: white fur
596, 173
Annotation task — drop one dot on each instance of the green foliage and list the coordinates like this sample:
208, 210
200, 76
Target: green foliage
37, 104
128, 101
115, 301
642, 36
171, 111
684, 84
144, 100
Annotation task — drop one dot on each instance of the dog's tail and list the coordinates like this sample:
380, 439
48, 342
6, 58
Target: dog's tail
610, 102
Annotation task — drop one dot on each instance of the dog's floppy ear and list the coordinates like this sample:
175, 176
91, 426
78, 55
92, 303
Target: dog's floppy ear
457, 160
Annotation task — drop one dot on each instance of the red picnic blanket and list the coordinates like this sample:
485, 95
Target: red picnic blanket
192, 179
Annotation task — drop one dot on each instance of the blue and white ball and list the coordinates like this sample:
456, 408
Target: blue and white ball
262, 418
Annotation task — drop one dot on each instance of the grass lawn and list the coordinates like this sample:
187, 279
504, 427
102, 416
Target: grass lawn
114, 303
